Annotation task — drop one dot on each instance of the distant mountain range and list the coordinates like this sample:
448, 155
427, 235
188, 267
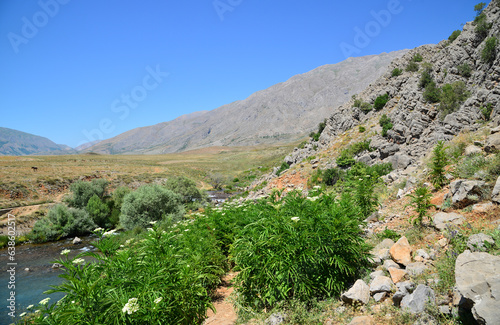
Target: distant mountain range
282, 113
17, 143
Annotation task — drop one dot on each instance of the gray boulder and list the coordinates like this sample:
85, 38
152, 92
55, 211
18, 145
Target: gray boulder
442, 219
416, 268
472, 150
381, 284
495, 195
464, 192
276, 319
358, 293
416, 302
478, 281
492, 143
476, 242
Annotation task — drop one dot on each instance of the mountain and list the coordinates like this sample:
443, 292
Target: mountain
282, 113
17, 143
86, 145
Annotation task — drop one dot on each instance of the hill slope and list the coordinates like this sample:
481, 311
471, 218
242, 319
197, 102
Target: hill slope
281, 113
17, 143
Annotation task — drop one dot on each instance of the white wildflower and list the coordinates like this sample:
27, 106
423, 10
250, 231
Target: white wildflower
109, 232
157, 300
98, 229
78, 261
295, 219
43, 302
150, 229
29, 307
23, 314
186, 230
153, 222
131, 306
65, 252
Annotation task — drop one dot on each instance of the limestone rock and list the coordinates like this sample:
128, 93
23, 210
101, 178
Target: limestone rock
380, 284
358, 293
77, 241
441, 219
478, 281
472, 150
397, 274
495, 195
465, 192
379, 296
276, 319
416, 268
416, 302
362, 320
476, 242
422, 253
492, 143
401, 251
375, 274
391, 264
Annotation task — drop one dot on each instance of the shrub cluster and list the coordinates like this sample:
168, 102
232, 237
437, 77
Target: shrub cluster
380, 102
386, 124
363, 106
417, 58
452, 96
465, 70
482, 26
396, 72
346, 157
454, 35
489, 53
412, 67
321, 127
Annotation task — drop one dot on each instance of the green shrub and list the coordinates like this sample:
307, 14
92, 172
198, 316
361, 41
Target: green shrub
482, 26
489, 52
83, 191
363, 106
62, 222
454, 35
284, 166
432, 93
191, 196
412, 67
361, 129
425, 76
301, 250
452, 96
345, 159
417, 58
465, 70
388, 233
332, 175
478, 166
486, 111
396, 72
321, 127
150, 203
438, 163
99, 212
360, 187
386, 124
421, 202
380, 102
379, 169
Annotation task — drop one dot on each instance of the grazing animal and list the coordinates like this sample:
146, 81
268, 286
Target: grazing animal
34, 169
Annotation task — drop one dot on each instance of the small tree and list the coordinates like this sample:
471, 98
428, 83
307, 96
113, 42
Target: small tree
489, 52
83, 191
417, 58
426, 76
465, 70
380, 102
421, 202
454, 35
438, 163
386, 124
432, 93
396, 72
452, 96
412, 67
99, 212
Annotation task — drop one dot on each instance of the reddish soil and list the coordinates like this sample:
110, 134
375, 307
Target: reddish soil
225, 313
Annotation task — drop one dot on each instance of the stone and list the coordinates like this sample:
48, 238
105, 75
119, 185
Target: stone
391, 264
358, 293
276, 319
406, 286
422, 253
400, 161
416, 268
375, 274
397, 274
465, 192
492, 143
442, 219
56, 265
484, 207
443, 242
77, 241
398, 297
472, 150
380, 284
27, 269
476, 242
386, 243
495, 195
379, 296
416, 302
477, 277
426, 319
401, 251
362, 320
383, 254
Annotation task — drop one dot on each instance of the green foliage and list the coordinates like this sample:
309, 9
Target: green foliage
439, 161
489, 52
361, 129
482, 26
98, 212
426, 76
83, 191
191, 196
417, 58
386, 124
396, 72
284, 166
478, 166
299, 250
380, 102
486, 111
332, 175
61, 222
479, 8
421, 202
454, 35
432, 93
388, 233
363, 106
412, 67
346, 157
452, 96
321, 127
118, 195
465, 70
150, 203
361, 183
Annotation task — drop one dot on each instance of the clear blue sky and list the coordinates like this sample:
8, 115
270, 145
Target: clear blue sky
70, 66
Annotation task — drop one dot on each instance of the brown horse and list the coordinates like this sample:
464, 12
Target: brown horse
34, 169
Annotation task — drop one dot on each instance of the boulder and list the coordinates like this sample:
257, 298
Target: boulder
77, 241
358, 293
400, 161
476, 242
417, 301
478, 281
362, 320
401, 251
379, 296
442, 219
386, 243
472, 150
416, 268
391, 264
397, 274
483, 207
381, 284
492, 143
495, 195
465, 192
276, 319
423, 254
375, 274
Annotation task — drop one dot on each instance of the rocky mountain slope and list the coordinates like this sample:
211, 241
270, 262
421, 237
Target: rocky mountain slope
282, 113
17, 143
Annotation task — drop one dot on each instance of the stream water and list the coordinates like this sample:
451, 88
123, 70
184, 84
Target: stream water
33, 274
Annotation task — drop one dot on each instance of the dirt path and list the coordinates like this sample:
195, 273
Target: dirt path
225, 314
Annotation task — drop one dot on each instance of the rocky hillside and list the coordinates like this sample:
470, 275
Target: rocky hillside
282, 113
17, 143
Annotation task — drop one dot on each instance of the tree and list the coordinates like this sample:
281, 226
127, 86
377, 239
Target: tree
489, 52
438, 163
421, 202
186, 188
99, 212
380, 102
83, 191
454, 35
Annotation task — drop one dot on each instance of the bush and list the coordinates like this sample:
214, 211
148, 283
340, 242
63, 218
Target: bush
426, 76
465, 70
396, 72
345, 159
417, 58
438, 163
191, 196
432, 93
380, 102
454, 35
83, 191
386, 124
303, 250
421, 202
284, 166
150, 203
321, 127
486, 111
332, 175
99, 212
361, 129
412, 67
482, 26
62, 222
452, 96
360, 187
489, 52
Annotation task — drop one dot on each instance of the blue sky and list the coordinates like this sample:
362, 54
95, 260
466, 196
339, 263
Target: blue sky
74, 70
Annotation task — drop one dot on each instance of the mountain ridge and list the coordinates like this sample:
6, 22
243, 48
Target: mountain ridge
19, 143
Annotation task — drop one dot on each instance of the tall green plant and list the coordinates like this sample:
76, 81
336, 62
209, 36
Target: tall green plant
438, 163
421, 202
